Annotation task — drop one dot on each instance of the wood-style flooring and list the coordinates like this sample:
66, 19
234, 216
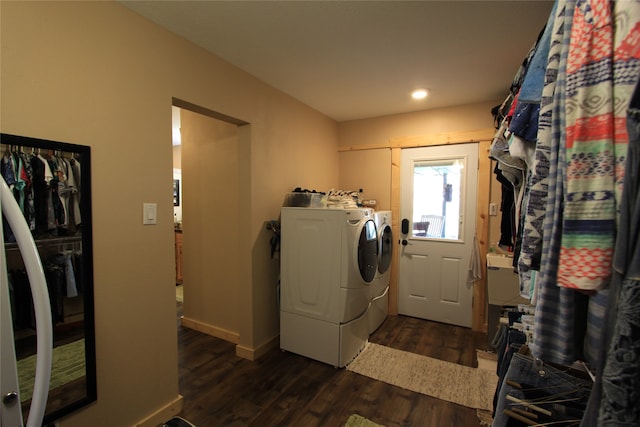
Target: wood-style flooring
284, 389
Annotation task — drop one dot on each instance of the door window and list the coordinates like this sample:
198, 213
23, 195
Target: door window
437, 198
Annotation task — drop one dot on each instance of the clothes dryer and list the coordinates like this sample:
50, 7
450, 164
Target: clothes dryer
329, 257
379, 309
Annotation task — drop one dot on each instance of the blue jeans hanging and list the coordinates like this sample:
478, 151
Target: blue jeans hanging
559, 395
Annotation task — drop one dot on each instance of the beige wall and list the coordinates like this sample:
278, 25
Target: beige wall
210, 171
177, 157
96, 74
370, 168
380, 130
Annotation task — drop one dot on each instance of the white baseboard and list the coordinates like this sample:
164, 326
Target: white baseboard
214, 331
233, 337
163, 414
254, 354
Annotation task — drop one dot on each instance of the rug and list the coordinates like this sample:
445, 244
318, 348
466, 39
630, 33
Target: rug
67, 364
470, 387
356, 420
487, 361
179, 293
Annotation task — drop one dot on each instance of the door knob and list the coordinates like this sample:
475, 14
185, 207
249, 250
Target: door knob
404, 242
10, 398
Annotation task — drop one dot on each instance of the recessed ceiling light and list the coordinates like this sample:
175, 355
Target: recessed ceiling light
419, 94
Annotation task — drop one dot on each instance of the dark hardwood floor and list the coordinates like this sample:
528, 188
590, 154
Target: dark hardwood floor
284, 389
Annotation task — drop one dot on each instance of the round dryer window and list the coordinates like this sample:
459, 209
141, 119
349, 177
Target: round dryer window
368, 251
386, 249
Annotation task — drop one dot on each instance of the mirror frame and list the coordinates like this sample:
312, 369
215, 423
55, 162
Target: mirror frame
90, 395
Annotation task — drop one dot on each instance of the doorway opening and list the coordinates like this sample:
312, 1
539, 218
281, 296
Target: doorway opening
176, 139
204, 195
211, 177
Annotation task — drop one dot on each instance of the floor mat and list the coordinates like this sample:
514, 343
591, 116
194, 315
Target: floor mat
470, 387
67, 365
356, 420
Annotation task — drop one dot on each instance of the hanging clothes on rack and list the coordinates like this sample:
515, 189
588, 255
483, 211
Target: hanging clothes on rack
511, 170
536, 393
507, 207
621, 374
586, 159
555, 333
556, 306
525, 126
602, 70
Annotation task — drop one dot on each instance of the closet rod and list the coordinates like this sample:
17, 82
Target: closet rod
42, 243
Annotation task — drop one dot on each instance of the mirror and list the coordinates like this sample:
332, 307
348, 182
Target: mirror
51, 182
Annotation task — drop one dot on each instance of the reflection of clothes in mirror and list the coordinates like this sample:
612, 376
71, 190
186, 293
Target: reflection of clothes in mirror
47, 189
64, 280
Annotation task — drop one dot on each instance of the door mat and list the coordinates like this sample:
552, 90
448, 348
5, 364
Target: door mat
487, 361
470, 387
179, 293
67, 365
356, 420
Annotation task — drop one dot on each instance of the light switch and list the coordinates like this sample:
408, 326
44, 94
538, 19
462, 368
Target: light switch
149, 213
493, 209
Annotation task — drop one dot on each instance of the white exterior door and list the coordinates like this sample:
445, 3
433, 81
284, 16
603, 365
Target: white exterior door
437, 207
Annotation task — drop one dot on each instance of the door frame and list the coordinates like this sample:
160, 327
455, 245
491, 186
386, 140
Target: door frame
483, 138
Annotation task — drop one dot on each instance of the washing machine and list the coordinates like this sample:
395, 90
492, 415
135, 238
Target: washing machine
329, 258
379, 306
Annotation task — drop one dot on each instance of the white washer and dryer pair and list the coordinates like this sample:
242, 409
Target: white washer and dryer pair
379, 309
329, 257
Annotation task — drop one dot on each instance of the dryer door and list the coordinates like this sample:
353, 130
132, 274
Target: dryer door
368, 251
386, 249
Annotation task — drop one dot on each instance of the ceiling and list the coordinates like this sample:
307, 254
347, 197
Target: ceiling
361, 59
